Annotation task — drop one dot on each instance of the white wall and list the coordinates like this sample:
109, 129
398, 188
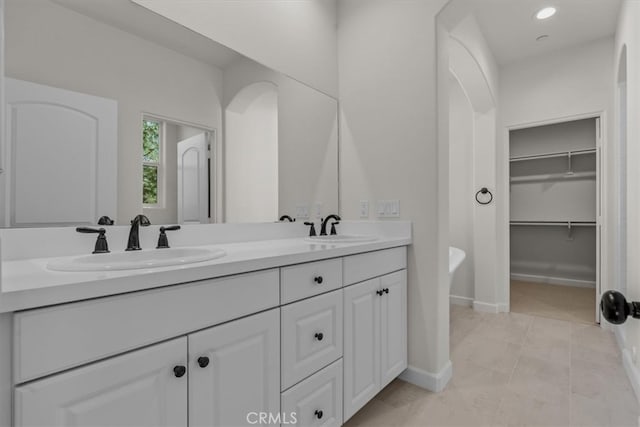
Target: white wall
566, 83
628, 35
251, 160
297, 38
80, 54
390, 149
307, 138
461, 187
561, 84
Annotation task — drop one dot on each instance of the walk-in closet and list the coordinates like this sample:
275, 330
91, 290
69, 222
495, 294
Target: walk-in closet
554, 219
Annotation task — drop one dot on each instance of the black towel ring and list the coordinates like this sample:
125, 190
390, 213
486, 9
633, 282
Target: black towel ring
484, 190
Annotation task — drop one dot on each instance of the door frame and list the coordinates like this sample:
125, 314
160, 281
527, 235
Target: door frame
601, 230
215, 157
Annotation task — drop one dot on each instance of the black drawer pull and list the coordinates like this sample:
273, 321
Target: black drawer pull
319, 336
179, 371
203, 361
318, 280
319, 414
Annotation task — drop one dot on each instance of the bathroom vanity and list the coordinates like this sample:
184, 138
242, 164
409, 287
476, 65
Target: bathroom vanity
278, 331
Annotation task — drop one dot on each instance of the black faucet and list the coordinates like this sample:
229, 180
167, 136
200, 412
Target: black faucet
101, 244
286, 217
134, 239
163, 242
323, 227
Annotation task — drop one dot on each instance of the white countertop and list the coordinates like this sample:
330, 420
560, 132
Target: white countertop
27, 283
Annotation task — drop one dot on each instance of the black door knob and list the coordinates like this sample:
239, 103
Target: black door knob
318, 279
615, 307
319, 414
179, 371
203, 361
319, 336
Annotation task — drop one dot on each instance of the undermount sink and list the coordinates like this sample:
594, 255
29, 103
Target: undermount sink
134, 260
341, 238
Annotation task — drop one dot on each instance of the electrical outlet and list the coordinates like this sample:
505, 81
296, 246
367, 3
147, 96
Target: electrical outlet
302, 212
364, 209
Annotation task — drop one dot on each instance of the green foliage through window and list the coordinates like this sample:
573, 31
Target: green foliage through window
149, 184
150, 141
150, 159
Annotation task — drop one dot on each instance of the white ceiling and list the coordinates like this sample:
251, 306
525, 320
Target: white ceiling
142, 22
511, 29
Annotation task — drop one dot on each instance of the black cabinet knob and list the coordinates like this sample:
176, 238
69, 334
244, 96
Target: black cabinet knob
386, 290
179, 371
318, 279
203, 361
380, 292
319, 414
319, 336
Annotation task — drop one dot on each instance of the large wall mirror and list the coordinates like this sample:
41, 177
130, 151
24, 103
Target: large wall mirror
114, 110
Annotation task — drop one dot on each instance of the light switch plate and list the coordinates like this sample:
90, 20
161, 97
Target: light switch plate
388, 208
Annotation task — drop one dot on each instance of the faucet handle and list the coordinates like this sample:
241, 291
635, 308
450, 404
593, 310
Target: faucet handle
333, 228
163, 242
101, 243
312, 230
105, 220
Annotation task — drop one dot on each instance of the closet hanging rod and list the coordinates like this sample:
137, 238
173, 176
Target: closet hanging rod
551, 155
556, 223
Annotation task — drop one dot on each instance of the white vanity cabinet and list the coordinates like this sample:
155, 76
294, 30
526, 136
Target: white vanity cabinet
218, 378
375, 337
311, 343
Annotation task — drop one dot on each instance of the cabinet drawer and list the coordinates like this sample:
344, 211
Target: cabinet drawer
358, 268
305, 280
317, 401
311, 336
51, 339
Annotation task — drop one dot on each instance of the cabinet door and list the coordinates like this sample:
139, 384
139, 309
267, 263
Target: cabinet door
234, 371
393, 326
361, 345
139, 388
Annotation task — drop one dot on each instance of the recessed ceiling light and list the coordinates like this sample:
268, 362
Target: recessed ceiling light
546, 12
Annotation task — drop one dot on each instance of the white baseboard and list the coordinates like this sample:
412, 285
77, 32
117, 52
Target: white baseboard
458, 300
428, 380
486, 307
553, 280
633, 373
504, 308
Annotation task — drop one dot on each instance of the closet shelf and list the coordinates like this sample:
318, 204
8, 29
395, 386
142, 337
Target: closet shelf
555, 223
551, 155
553, 177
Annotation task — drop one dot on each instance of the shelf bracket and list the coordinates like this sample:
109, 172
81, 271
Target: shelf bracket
569, 231
569, 165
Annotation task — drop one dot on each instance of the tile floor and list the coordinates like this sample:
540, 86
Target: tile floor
557, 302
516, 369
